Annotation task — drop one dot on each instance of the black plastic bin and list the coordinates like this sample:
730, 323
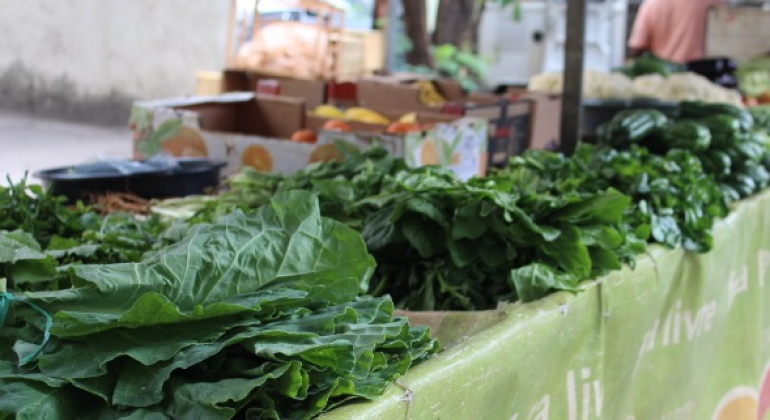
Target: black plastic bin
193, 176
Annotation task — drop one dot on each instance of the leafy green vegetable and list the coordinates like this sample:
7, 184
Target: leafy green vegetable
252, 316
443, 244
40, 232
670, 193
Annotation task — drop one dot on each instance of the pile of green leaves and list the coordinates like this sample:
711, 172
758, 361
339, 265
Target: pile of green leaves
673, 200
66, 234
253, 316
443, 244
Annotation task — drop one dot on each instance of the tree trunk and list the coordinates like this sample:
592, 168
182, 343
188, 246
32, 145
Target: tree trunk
417, 31
458, 23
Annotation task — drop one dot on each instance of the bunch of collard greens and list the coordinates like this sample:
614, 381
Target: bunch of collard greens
443, 244
251, 316
39, 226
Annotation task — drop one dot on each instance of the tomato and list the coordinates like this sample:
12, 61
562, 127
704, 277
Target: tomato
402, 127
304, 136
337, 125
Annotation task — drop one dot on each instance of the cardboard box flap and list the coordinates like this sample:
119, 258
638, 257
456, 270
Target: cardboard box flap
262, 115
232, 97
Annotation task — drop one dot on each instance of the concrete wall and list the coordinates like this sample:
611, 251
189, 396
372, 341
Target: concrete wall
87, 60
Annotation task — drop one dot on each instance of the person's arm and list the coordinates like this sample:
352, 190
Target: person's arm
641, 35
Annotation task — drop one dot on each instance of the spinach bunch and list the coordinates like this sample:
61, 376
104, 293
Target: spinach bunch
441, 244
671, 193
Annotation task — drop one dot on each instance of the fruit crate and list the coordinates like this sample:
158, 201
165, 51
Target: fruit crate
510, 123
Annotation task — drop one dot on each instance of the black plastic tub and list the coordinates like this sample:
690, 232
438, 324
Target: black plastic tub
193, 176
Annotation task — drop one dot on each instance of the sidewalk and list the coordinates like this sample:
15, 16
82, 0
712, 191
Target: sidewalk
28, 143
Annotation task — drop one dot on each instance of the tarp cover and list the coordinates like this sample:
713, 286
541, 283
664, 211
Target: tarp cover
681, 337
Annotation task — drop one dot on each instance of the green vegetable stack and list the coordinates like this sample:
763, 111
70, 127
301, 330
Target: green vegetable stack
650, 64
442, 244
253, 316
722, 136
65, 235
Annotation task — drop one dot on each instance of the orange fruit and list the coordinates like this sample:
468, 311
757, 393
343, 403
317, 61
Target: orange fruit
187, 143
304, 136
428, 154
337, 125
326, 153
741, 408
403, 127
258, 158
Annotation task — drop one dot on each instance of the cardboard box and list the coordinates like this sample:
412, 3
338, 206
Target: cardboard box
312, 91
385, 91
246, 129
545, 125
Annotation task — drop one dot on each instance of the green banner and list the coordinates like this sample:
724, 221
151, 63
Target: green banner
681, 337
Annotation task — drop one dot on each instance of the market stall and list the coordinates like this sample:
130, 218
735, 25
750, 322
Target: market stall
681, 336
338, 244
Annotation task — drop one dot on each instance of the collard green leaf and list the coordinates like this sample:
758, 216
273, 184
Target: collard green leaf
286, 243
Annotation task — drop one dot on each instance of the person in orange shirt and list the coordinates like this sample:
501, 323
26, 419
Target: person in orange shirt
674, 30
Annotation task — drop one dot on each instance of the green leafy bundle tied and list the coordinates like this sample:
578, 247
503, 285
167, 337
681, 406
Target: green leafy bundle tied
254, 316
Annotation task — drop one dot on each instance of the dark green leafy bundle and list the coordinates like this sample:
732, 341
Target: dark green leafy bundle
672, 196
63, 234
360, 175
255, 316
442, 244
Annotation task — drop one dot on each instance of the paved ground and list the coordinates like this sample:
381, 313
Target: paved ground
29, 144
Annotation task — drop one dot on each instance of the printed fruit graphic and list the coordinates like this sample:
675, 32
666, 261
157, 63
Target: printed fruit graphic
337, 125
365, 115
304, 136
326, 153
739, 404
258, 158
187, 143
403, 127
328, 111
428, 154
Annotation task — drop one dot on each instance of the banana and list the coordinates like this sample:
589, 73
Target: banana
365, 115
328, 111
409, 118
428, 94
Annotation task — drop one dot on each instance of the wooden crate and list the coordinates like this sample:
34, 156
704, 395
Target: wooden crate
338, 54
362, 54
294, 49
209, 83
